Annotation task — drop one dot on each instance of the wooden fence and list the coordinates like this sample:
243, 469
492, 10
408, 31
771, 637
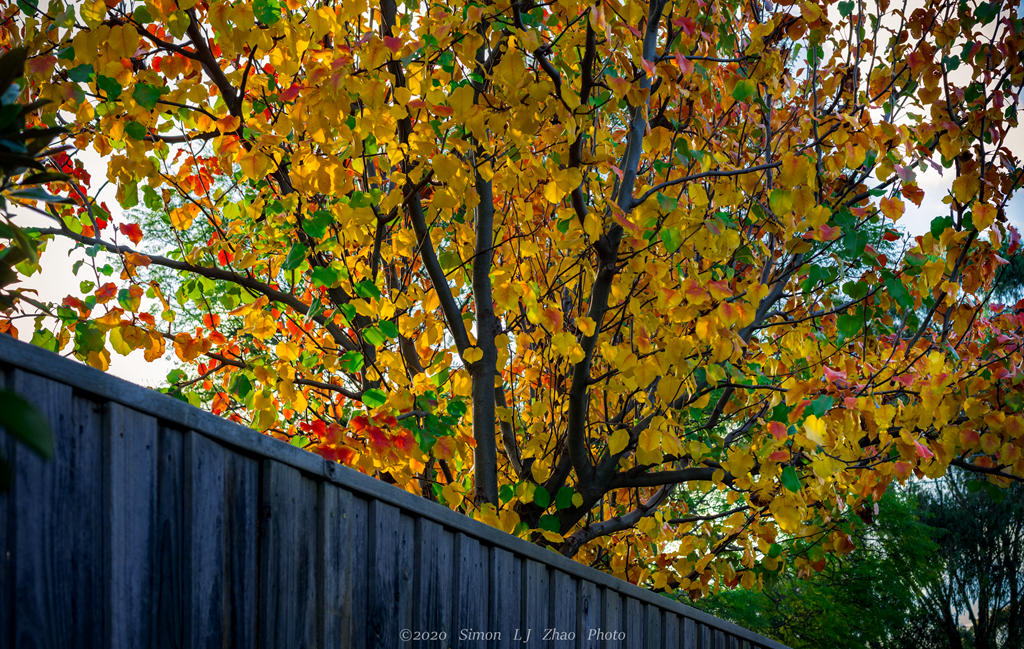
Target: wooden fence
160, 525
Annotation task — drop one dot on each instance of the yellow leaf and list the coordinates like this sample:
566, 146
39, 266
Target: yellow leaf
123, 41
814, 428
553, 193
472, 354
983, 216
288, 351
586, 325
618, 441
892, 208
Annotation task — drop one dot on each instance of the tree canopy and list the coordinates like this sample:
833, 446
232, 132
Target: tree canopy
624, 278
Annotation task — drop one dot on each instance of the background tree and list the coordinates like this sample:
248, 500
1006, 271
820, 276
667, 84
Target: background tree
860, 600
602, 273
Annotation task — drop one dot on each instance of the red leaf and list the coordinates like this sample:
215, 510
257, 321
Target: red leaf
923, 450
132, 231
393, 44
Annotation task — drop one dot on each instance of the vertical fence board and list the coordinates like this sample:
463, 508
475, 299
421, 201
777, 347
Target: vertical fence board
471, 579
58, 515
345, 570
563, 610
670, 636
505, 614
535, 598
611, 620
634, 622
336, 567
689, 633
652, 624
7, 598
169, 587
131, 448
206, 465
589, 615
391, 561
435, 574
242, 492
288, 606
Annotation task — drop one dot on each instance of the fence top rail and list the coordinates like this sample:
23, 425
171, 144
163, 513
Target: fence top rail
183, 416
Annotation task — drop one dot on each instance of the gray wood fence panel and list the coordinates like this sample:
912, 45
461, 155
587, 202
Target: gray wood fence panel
435, 569
6, 540
186, 530
652, 630
588, 613
170, 575
536, 599
612, 621
563, 610
471, 580
58, 518
132, 450
288, 606
671, 638
506, 605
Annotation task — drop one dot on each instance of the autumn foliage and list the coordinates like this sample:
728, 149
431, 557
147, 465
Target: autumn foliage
624, 278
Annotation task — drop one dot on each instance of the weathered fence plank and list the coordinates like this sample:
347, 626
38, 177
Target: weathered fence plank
58, 518
180, 529
131, 449
288, 595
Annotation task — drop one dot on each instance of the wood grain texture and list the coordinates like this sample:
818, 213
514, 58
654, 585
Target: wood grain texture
434, 573
390, 559
131, 448
59, 544
670, 633
288, 606
471, 590
505, 616
588, 616
652, 627
536, 598
612, 620
563, 610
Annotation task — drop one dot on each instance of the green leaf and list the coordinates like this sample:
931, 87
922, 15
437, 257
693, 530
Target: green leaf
136, 131
744, 90
325, 276
845, 8
667, 203
295, 257
939, 225
374, 397
316, 225
45, 339
821, 405
299, 440
81, 73
110, 86
374, 336
146, 95
563, 499
848, 325
241, 386
24, 421
790, 480
899, 293
549, 523
670, 237
457, 408
352, 361
367, 289
390, 329
541, 497
267, 12
506, 492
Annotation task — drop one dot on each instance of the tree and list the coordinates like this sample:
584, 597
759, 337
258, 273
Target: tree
976, 600
864, 599
604, 274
